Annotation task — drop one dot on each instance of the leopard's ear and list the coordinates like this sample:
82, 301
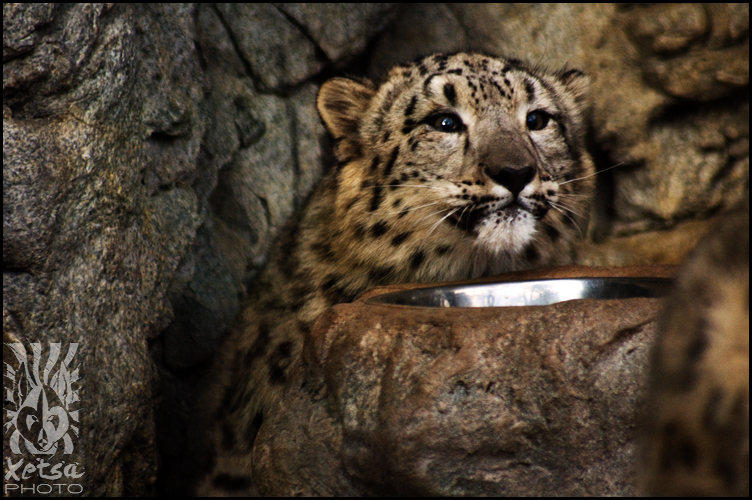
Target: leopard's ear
341, 103
576, 82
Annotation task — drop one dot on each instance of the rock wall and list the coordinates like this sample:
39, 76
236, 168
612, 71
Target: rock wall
151, 152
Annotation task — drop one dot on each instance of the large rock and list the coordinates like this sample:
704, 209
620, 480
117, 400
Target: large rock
285, 44
539, 400
340, 30
99, 153
149, 156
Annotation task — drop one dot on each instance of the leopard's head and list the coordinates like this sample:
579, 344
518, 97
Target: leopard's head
480, 155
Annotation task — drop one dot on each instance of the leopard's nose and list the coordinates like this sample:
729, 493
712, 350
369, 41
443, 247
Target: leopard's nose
514, 179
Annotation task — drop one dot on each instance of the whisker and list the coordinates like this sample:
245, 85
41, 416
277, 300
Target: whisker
574, 195
596, 173
382, 186
570, 209
441, 220
414, 208
435, 213
565, 207
461, 215
562, 211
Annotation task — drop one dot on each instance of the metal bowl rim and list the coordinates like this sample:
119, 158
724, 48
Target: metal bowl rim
381, 299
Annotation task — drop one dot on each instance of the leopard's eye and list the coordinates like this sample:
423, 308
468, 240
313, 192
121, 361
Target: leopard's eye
537, 120
447, 123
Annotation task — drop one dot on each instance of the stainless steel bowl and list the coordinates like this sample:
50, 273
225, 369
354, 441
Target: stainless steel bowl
527, 293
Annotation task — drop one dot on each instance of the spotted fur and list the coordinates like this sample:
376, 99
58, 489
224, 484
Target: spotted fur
457, 166
697, 426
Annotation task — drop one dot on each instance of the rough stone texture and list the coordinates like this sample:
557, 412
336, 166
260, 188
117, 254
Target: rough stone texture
99, 151
353, 25
285, 44
658, 247
145, 171
537, 400
277, 53
151, 153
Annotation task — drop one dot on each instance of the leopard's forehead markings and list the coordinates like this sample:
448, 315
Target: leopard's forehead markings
478, 91
458, 65
487, 81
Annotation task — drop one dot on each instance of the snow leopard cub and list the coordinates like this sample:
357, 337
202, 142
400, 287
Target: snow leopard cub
455, 167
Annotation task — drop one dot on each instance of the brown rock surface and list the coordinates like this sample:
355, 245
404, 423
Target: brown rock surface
536, 400
653, 247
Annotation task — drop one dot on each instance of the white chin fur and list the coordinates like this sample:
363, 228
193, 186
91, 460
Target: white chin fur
510, 235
